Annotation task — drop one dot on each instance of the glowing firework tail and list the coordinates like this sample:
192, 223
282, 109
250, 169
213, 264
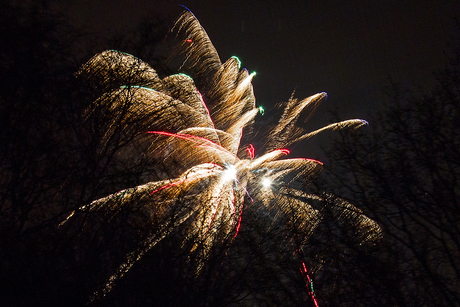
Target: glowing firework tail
304, 271
196, 120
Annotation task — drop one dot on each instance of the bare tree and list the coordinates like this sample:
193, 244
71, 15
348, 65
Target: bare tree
193, 125
404, 169
94, 207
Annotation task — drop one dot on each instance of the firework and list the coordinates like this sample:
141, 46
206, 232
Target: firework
195, 122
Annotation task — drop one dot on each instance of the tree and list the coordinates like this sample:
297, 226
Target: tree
405, 171
39, 108
62, 155
192, 126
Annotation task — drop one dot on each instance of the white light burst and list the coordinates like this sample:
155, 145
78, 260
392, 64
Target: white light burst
266, 182
230, 173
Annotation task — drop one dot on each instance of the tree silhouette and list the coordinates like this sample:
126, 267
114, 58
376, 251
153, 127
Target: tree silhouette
404, 170
209, 178
40, 162
65, 145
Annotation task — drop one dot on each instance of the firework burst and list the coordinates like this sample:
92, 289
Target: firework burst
196, 124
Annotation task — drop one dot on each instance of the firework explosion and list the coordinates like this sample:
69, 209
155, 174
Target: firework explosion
197, 125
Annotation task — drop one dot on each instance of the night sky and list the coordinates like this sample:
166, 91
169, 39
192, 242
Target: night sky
353, 50
350, 50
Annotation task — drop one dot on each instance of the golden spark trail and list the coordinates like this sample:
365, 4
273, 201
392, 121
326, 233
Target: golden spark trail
200, 130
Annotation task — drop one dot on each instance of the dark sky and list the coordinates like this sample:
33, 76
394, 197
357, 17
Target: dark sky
349, 49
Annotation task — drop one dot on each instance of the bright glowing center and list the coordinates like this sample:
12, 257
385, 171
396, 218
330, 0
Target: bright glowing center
266, 182
230, 173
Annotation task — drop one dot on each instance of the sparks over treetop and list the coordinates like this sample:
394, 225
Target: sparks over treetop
194, 121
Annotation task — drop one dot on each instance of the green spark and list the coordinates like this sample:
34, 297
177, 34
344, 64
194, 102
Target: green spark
261, 110
238, 60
